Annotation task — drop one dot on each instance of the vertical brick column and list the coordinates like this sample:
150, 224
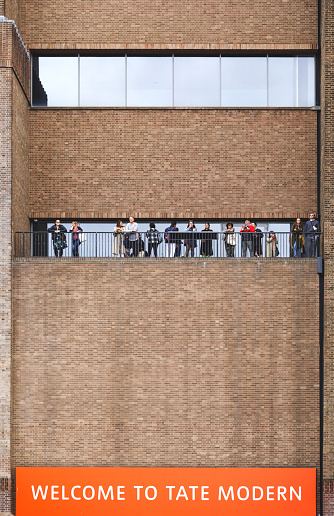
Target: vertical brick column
5, 282
327, 205
14, 70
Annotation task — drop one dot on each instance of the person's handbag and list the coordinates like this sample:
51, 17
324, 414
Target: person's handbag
82, 237
63, 240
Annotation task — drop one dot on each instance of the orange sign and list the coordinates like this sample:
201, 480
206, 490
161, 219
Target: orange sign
165, 491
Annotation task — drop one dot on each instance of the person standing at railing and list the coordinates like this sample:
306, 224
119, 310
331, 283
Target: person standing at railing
75, 229
191, 243
272, 245
206, 244
296, 238
311, 232
118, 248
58, 238
257, 241
230, 239
132, 229
171, 240
153, 240
247, 236
141, 247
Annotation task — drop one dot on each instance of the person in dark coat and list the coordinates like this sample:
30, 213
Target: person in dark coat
247, 239
296, 238
58, 238
257, 241
206, 243
311, 233
191, 243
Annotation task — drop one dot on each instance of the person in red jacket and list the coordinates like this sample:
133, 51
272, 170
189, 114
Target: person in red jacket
247, 239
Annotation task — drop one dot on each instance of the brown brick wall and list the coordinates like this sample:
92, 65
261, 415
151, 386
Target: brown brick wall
172, 162
80, 23
20, 156
327, 181
12, 10
6, 44
165, 363
13, 55
328, 498
5, 282
14, 124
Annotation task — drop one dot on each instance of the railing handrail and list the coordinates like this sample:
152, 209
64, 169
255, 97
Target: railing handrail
202, 243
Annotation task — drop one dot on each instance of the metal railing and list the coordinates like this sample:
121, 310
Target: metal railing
175, 244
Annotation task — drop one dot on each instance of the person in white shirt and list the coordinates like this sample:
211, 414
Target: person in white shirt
132, 229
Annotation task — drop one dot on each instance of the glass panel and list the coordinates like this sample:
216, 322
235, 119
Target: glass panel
290, 81
282, 76
196, 81
149, 81
39, 97
59, 77
244, 81
102, 81
306, 81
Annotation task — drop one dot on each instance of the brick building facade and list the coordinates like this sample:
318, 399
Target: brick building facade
200, 363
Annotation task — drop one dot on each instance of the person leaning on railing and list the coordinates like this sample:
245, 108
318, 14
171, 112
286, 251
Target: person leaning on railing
257, 241
118, 248
132, 229
171, 246
247, 239
229, 239
190, 243
296, 238
75, 229
58, 238
272, 245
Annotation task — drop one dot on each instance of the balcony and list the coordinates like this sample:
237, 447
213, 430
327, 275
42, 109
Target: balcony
177, 244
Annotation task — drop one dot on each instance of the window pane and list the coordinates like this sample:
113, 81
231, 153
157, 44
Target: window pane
149, 81
196, 81
102, 81
306, 81
282, 81
59, 77
244, 81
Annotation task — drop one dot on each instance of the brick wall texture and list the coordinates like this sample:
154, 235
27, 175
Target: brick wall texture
328, 497
5, 281
165, 363
204, 163
20, 157
14, 125
13, 54
191, 23
12, 11
327, 196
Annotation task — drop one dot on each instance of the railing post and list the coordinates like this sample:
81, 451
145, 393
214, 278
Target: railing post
23, 245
